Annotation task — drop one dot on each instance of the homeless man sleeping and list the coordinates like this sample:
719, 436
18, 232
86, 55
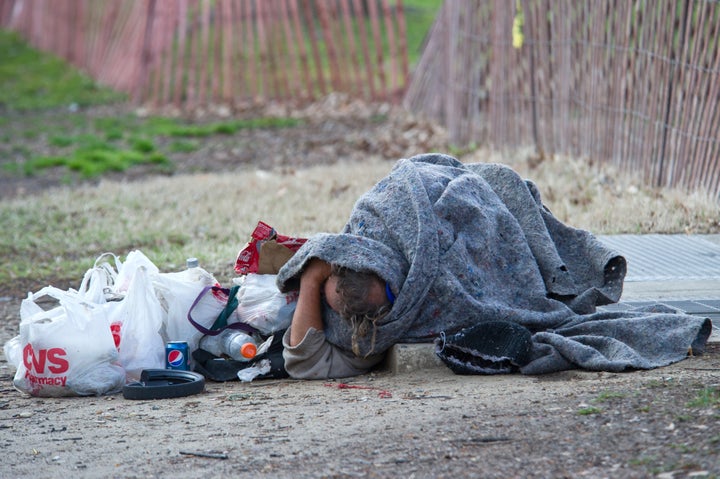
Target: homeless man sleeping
440, 248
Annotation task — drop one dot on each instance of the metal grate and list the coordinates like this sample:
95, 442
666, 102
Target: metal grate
667, 257
708, 308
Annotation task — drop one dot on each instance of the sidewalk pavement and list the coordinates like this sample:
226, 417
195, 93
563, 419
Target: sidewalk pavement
680, 271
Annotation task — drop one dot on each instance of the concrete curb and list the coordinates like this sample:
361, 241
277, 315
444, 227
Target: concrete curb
407, 358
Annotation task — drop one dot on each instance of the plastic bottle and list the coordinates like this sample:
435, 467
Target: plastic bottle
194, 273
237, 344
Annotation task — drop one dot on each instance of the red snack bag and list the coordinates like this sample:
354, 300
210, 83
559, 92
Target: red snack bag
266, 251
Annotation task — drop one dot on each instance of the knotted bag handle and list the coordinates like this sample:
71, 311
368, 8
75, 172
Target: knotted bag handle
220, 323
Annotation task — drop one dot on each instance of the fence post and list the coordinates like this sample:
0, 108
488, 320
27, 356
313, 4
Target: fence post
675, 62
141, 86
531, 38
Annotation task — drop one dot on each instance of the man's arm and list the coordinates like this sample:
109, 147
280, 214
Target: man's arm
308, 311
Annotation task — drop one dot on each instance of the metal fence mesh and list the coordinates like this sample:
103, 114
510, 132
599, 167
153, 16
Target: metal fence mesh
635, 82
200, 52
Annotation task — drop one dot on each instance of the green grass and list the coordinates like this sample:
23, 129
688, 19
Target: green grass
706, 398
40, 132
419, 17
183, 146
590, 410
32, 80
607, 396
115, 144
172, 128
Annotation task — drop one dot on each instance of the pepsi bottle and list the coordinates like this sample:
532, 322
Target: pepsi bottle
237, 345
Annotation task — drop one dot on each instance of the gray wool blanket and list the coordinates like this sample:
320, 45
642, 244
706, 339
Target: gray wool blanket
459, 244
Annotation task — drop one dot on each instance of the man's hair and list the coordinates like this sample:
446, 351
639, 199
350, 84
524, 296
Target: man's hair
352, 288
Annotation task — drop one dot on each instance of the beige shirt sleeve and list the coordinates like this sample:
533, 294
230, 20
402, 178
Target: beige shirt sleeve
315, 358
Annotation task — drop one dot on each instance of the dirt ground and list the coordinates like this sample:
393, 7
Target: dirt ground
428, 423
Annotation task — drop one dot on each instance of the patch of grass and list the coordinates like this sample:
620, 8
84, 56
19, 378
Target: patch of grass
183, 146
660, 383
118, 143
143, 145
32, 80
643, 461
706, 398
459, 151
61, 141
173, 128
89, 147
607, 396
95, 160
589, 410
684, 448
683, 418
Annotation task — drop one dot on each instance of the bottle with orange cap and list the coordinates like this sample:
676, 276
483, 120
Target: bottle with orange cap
238, 345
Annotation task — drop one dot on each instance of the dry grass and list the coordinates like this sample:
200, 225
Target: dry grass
601, 199
211, 215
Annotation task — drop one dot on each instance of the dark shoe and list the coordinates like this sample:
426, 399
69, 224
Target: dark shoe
491, 347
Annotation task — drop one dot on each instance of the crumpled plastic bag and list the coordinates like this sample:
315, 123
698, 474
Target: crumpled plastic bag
136, 322
133, 310
65, 351
262, 305
177, 292
259, 368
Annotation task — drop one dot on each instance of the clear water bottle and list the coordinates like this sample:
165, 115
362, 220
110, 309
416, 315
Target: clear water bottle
239, 345
194, 273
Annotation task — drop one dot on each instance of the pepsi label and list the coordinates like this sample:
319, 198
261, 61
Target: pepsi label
176, 353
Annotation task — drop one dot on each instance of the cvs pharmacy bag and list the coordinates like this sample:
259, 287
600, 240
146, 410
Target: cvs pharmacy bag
65, 351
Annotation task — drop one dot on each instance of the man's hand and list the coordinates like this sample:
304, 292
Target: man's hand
316, 271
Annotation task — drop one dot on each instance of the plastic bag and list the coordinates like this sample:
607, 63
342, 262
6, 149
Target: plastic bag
135, 323
65, 351
260, 368
133, 310
177, 293
126, 271
98, 283
262, 305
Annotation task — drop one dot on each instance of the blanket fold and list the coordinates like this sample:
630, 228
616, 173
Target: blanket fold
461, 244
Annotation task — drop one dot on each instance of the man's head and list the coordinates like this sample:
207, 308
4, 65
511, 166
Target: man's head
359, 297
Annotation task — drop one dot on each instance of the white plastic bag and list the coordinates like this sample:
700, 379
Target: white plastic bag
136, 322
134, 260
246, 375
177, 292
98, 283
66, 351
263, 306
